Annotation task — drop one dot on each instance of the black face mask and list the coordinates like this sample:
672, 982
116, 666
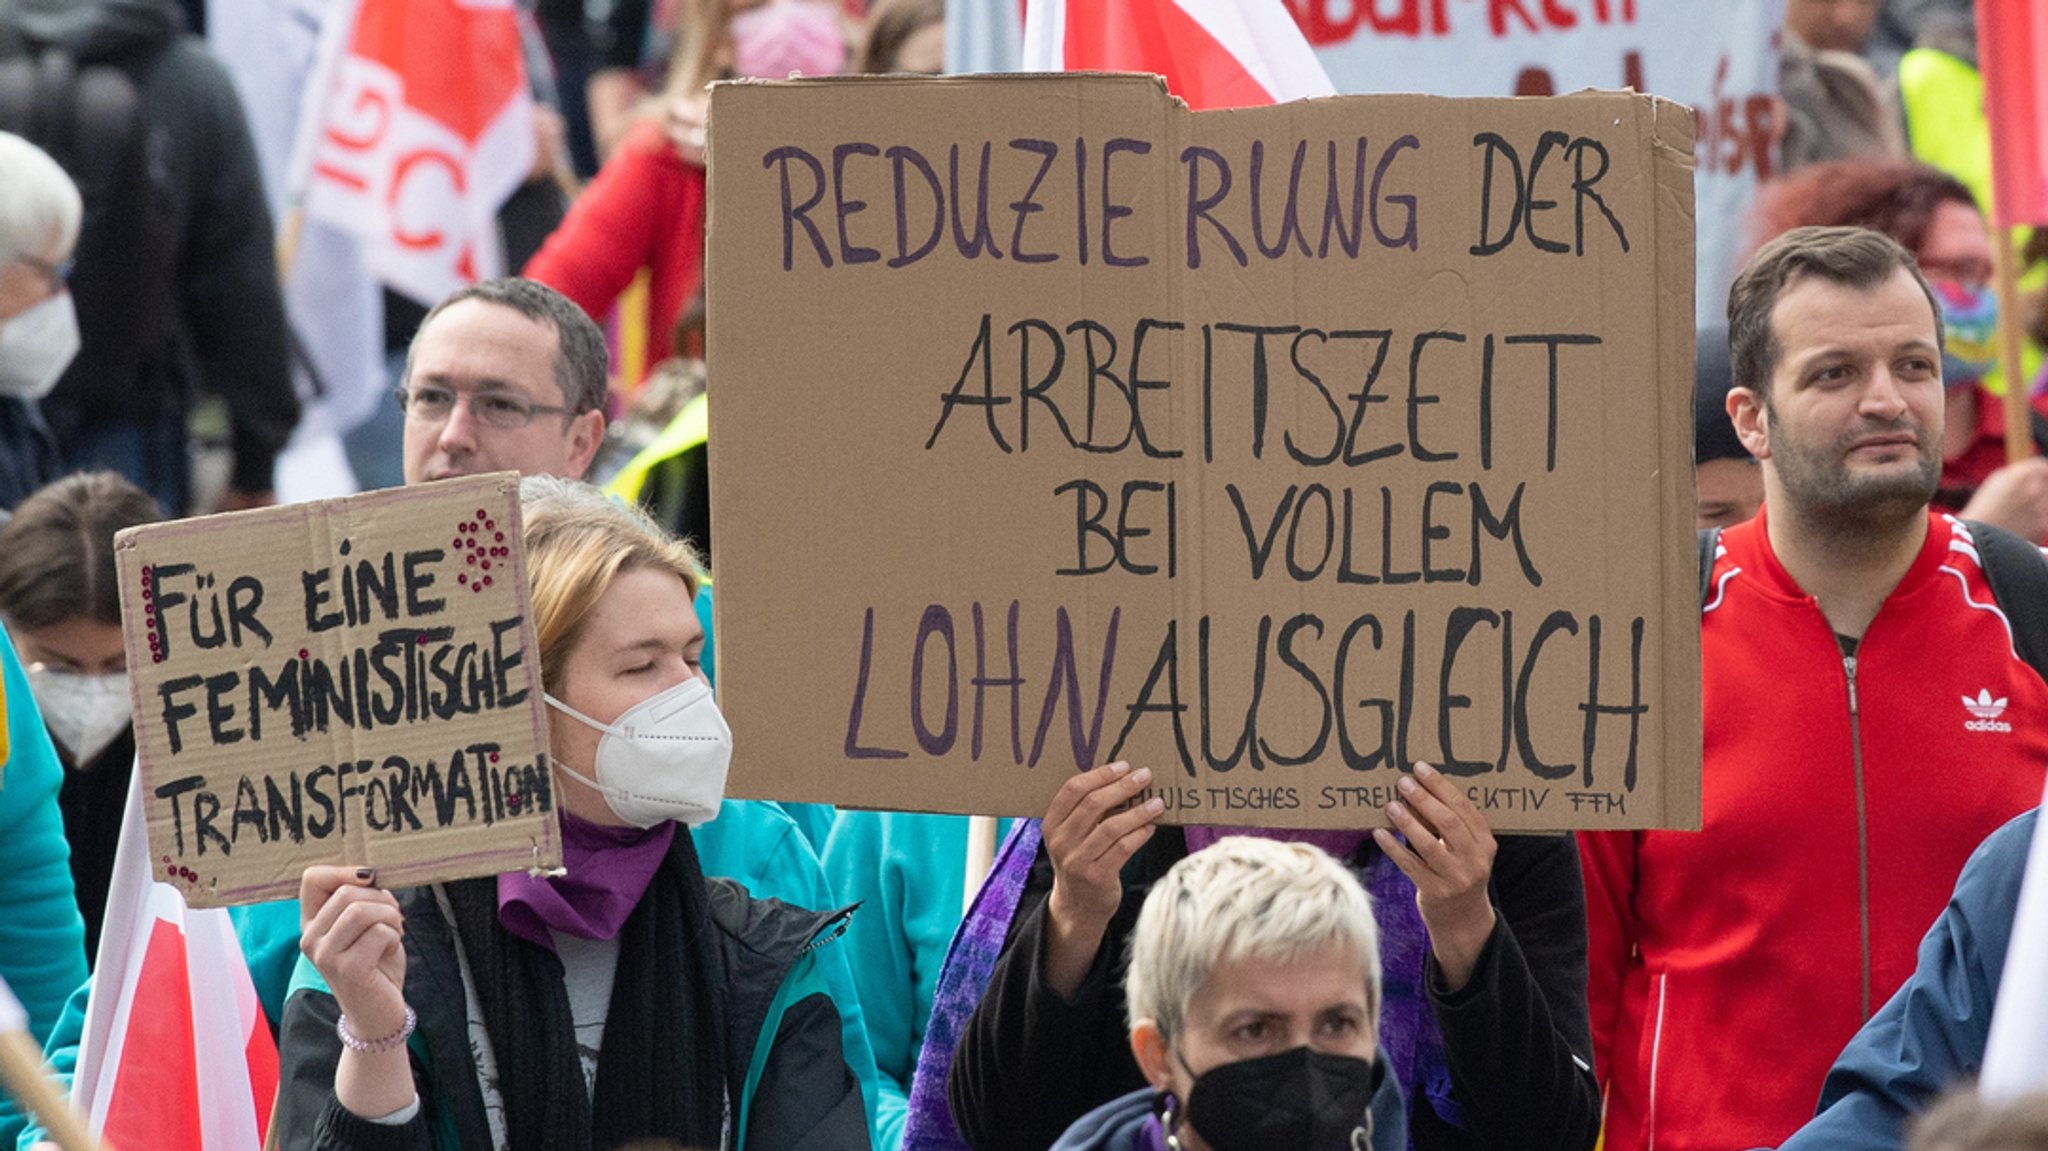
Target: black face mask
1299, 1099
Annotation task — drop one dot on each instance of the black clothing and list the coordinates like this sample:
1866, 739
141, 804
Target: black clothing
28, 453
1516, 1036
188, 299
806, 1099
93, 799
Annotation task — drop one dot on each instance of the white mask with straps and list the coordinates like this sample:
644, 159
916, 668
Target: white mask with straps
85, 712
664, 758
36, 346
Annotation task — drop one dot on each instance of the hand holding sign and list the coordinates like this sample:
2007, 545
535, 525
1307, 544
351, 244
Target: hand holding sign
354, 934
1449, 857
1091, 830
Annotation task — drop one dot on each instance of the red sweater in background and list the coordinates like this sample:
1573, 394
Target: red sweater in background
645, 209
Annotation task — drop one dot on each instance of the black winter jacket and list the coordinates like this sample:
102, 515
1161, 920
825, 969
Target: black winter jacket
807, 1099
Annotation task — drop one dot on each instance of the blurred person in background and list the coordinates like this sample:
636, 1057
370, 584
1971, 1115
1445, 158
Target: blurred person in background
904, 36
40, 213
645, 209
176, 278
1728, 481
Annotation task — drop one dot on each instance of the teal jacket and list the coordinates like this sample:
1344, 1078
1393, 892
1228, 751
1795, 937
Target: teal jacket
42, 936
907, 870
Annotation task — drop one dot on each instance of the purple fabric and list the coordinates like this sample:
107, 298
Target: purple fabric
608, 871
1409, 1039
970, 961
1152, 1136
1339, 844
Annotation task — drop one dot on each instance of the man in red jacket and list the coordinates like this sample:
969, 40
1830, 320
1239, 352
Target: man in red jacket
1867, 722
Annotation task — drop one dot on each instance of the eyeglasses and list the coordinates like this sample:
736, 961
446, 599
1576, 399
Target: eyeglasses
56, 275
505, 411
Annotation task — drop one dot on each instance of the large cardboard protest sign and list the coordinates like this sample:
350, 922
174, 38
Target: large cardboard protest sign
1271, 449
353, 681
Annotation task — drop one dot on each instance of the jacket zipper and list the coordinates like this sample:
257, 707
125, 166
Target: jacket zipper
831, 930
1862, 831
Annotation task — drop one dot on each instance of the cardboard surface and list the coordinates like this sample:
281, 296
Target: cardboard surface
1270, 448
352, 682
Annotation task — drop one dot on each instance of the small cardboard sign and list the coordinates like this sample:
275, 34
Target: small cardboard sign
353, 681
1273, 449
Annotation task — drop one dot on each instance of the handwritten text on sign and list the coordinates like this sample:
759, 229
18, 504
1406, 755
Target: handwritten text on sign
1273, 449
345, 681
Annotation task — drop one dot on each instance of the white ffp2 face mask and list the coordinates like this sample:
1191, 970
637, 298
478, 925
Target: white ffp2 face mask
664, 758
36, 346
84, 712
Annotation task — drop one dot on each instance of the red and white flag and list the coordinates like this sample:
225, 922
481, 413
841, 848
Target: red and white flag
1213, 53
2012, 47
422, 127
176, 1054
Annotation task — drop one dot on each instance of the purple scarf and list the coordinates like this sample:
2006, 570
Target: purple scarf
608, 871
970, 961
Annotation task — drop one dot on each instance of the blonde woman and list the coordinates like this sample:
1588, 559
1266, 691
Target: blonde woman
630, 999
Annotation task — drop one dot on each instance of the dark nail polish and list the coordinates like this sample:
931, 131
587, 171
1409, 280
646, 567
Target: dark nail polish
366, 873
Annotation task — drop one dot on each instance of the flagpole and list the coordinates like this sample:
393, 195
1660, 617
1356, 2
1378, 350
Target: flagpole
2019, 439
981, 855
334, 35
21, 1071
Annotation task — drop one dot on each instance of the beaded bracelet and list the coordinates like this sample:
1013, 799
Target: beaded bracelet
377, 1046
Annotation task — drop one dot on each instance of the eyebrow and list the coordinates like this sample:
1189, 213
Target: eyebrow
485, 384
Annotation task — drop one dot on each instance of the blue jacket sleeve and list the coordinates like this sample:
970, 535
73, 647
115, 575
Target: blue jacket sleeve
42, 936
1931, 1035
879, 948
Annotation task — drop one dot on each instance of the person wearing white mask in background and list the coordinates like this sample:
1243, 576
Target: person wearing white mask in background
60, 598
630, 998
40, 212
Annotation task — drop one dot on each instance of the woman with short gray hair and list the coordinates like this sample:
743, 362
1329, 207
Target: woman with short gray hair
1254, 1000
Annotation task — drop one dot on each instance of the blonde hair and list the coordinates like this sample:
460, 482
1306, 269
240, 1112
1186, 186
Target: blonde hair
578, 540
1244, 898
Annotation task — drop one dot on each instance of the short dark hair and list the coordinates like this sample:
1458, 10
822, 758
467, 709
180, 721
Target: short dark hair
57, 552
1852, 257
581, 358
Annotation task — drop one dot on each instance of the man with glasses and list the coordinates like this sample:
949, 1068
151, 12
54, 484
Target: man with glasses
505, 375
40, 213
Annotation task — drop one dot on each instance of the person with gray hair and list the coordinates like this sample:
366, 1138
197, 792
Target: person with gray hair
40, 213
1254, 1002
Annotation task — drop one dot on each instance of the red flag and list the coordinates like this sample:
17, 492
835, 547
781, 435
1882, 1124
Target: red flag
176, 1054
1213, 53
2012, 49
422, 127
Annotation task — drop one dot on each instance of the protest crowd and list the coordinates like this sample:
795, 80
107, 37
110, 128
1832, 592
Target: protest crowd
209, 305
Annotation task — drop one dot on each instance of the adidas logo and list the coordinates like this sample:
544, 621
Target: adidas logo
1986, 710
